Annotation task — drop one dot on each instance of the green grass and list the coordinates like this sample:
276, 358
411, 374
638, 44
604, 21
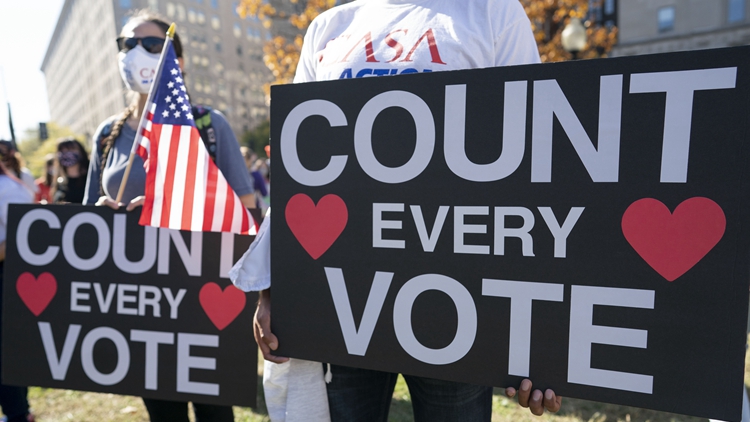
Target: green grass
52, 405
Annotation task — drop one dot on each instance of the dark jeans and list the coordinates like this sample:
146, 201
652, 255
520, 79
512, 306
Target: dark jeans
176, 411
363, 395
12, 399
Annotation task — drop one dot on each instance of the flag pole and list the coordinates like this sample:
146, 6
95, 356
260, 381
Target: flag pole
145, 111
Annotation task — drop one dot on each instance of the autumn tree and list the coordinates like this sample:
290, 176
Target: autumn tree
548, 19
287, 20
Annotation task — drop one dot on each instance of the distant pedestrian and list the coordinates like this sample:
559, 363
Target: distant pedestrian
71, 167
44, 183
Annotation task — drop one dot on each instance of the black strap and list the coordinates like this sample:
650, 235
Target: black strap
202, 119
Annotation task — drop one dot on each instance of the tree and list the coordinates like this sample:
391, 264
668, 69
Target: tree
289, 19
258, 138
548, 19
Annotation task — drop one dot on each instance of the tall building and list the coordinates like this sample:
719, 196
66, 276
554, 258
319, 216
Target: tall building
223, 60
657, 26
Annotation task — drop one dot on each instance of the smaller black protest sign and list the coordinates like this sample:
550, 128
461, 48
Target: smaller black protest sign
93, 301
581, 224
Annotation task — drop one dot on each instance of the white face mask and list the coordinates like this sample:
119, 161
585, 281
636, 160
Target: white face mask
138, 68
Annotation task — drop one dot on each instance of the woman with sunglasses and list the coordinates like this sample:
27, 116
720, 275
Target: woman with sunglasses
140, 45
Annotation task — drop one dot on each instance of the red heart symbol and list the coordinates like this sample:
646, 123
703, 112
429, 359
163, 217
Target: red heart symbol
672, 243
221, 307
316, 227
36, 293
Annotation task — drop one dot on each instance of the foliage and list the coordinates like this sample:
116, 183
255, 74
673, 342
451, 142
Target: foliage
281, 53
34, 151
548, 19
257, 138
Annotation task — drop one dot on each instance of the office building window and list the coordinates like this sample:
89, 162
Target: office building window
666, 19
736, 12
237, 30
215, 4
191, 15
201, 18
170, 10
609, 7
180, 12
126, 4
215, 22
153, 5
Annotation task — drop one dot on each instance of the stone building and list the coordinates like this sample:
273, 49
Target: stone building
658, 26
223, 60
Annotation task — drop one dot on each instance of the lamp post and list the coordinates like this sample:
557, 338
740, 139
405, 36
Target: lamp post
574, 37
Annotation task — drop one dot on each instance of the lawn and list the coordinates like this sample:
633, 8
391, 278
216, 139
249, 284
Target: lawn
51, 405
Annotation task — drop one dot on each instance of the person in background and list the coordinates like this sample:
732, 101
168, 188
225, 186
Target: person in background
15, 164
12, 399
44, 183
71, 166
260, 185
140, 44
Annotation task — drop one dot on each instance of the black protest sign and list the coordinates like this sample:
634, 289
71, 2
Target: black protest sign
580, 224
93, 301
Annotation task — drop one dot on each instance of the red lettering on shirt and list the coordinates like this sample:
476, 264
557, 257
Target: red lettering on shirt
395, 44
431, 43
368, 48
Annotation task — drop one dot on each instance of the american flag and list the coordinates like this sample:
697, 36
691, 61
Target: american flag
184, 188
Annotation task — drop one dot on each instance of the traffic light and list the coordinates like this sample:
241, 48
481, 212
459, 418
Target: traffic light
43, 135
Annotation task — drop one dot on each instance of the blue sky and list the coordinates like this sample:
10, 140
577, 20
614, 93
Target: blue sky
25, 29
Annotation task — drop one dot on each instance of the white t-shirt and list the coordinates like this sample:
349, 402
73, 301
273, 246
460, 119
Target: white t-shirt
11, 192
387, 37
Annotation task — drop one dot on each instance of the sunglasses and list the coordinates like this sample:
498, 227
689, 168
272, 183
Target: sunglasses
150, 44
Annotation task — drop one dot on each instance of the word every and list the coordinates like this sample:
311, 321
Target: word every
429, 239
142, 295
583, 333
602, 161
59, 364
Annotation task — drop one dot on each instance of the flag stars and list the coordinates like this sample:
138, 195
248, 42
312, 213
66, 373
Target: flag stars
165, 113
168, 99
176, 114
190, 116
172, 106
184, 107
177, 62
178, 79
180, 100
173, 71
175, 92
182, 88
170, 84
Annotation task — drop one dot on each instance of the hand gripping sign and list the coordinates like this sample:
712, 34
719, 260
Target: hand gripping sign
580, 224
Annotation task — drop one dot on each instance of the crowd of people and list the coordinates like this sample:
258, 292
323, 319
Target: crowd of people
477, 33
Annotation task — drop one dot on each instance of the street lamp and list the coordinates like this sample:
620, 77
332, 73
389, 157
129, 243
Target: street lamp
574, 37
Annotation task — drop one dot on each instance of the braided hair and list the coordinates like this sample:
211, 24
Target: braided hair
109, 141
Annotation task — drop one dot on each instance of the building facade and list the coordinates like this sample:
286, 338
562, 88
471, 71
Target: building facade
658, 26
223, 60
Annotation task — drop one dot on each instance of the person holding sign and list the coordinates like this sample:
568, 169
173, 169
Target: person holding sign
12, 398
397, 37
140, 44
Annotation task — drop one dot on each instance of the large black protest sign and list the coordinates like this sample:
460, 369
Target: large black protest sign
581, 224
93, 301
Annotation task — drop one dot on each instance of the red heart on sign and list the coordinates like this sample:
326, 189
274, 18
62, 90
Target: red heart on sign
221, 307
672, 243
316, 227
36, 293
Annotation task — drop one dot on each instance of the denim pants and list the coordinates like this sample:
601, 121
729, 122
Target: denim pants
363, 395
12, 399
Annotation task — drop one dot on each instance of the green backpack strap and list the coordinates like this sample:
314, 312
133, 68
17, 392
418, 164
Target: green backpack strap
202, 119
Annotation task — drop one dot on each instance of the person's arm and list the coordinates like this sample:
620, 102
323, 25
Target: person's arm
230, 162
